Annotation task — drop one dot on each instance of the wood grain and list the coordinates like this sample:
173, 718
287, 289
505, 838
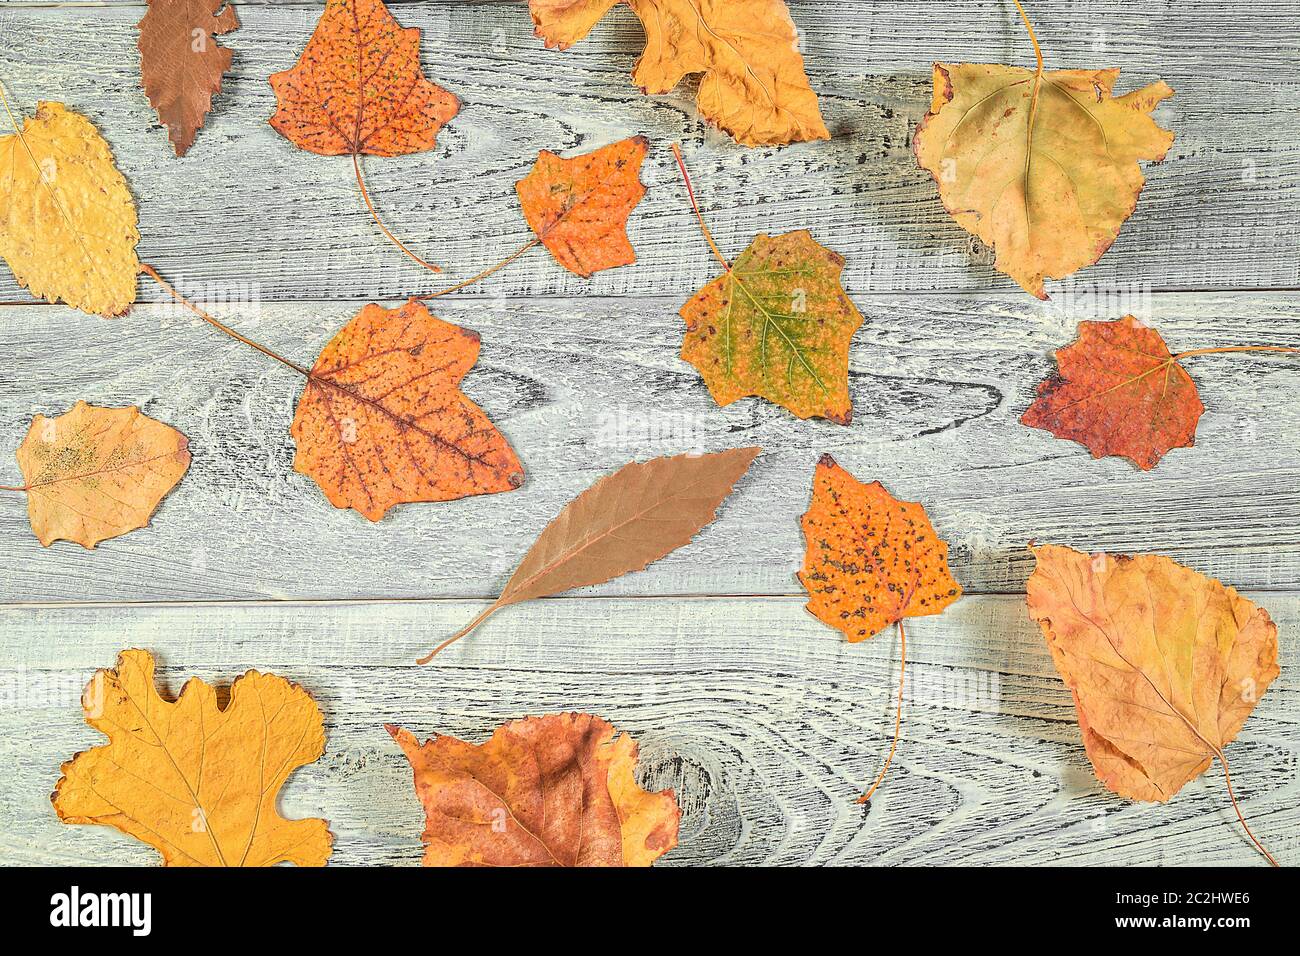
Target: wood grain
245, 206
766, 723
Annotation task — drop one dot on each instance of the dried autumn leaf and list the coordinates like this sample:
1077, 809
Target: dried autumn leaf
778, 325
1042, 166
871, 559
196, 781
67, 220
1119, 391
754, 84
1165, 664
382, 419
181, 63
358, 89
94, 473
621, 524
543, 791
579, 207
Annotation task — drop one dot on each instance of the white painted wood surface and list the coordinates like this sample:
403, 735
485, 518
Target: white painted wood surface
765, 721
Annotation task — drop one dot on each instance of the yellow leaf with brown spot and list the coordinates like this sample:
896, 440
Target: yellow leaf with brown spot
197, 781
754, 85
777, 324
871, 560
1043, 167
543, 791
67, 219
94, 473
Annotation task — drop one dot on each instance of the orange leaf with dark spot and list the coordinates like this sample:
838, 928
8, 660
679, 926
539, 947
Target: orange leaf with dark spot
382, 419
871, 560
543, 791
579, 207
1119, 391
358, 88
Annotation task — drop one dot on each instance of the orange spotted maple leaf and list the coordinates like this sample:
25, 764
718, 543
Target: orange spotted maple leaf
871, 560
382, 419
358, 90
579, 207
1119, 391
543, 791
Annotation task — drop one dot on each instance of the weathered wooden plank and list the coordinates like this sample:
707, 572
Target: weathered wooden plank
583, 386
245, 206
766, 723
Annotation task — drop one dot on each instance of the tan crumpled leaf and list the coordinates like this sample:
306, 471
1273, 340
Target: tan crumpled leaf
67, 220
1043, 167
197, 781
94, 473
621, 524
543, 791
181, 62
754, 84
1165, 664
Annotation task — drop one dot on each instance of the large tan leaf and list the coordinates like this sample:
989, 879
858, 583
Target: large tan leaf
197, 781
754, 84
94, 473
543, 791
1042, 166
67, 220
621, 524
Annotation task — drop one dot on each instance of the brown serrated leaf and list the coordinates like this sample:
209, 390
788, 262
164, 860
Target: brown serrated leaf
622, 523
181, 63
543, 791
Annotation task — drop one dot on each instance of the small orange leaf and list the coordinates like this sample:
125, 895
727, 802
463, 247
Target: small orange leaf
197, 781
579, 207
1119, 391
543, 791
357, 89
872, 560
382, 419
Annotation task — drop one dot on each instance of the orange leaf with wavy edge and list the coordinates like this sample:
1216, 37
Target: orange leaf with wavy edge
382, 419
1119, 391
579, 207
777, 324
95, 473
870, 561
358, 88
1165, 664
754, 85
181, 63
197, 781
543, 791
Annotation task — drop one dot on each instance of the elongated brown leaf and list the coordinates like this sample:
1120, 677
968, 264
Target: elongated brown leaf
622, 523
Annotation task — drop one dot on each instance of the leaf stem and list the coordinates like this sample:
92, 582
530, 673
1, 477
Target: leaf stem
1233, 797
486, 613
374, 214
690, 191
1236, 348
491, 270
149, 270
1038, 51
898, 716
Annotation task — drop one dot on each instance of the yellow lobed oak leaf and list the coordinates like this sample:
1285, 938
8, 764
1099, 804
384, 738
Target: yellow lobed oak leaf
67, 220
1165, 664
95, 473
543, 791
778, 324
1042, 166
194, 780
754, 84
